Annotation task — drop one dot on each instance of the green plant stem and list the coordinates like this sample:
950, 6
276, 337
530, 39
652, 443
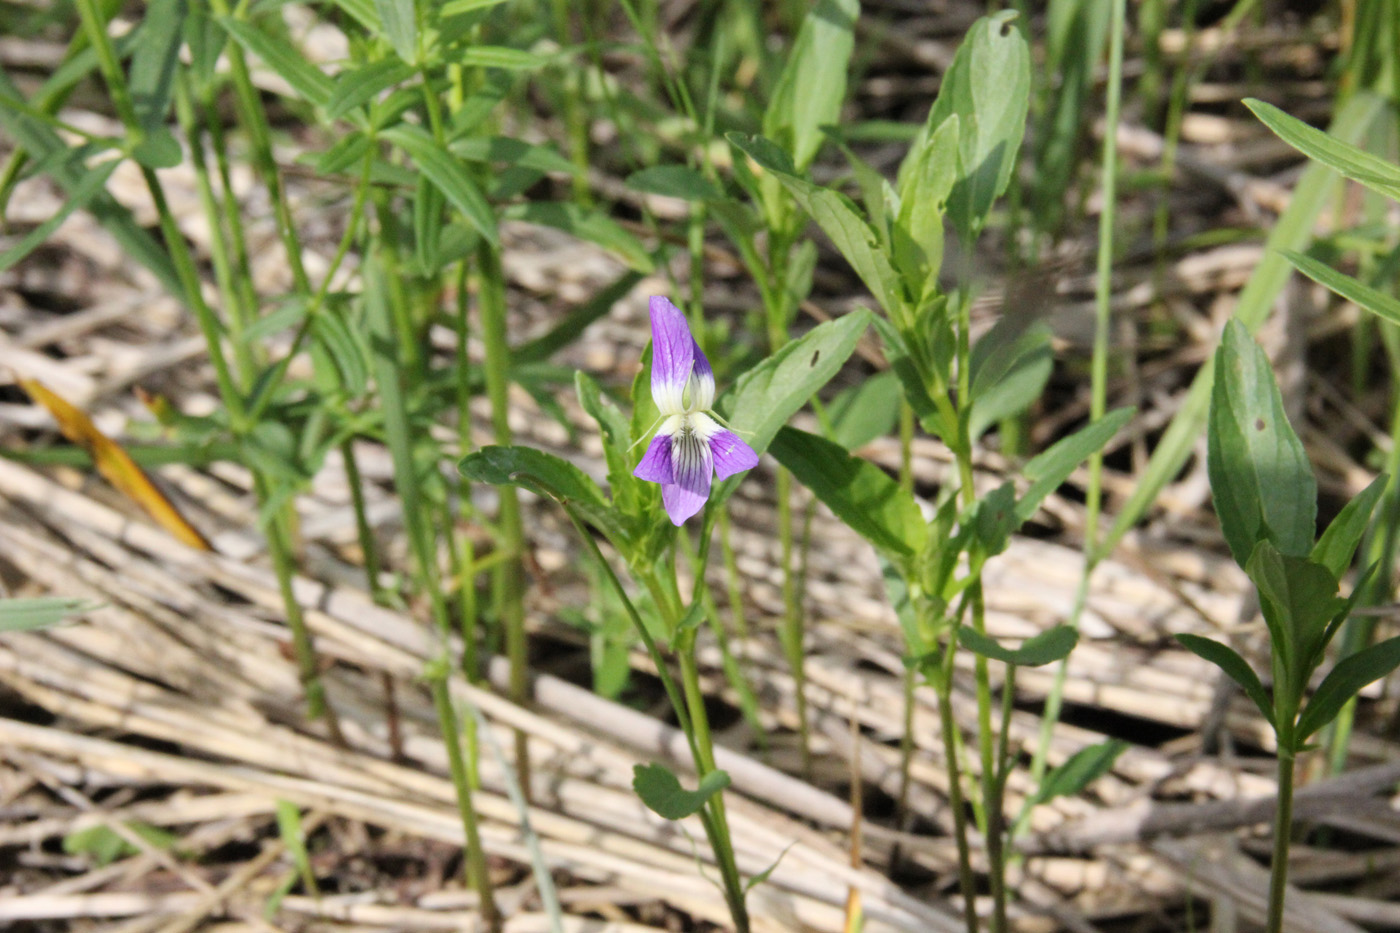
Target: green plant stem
1283, 827
1098, 400
793, 633
474, 865
507, 588
948, 727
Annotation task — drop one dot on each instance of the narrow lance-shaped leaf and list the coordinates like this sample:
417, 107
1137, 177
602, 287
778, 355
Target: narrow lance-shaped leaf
1345, 681
861, 494
1048, 470
1235, 667
836, 215
1351, 161
1080, 770
448, 174
1260, 478
19, 615
1377, 302
1335, 549
812, 86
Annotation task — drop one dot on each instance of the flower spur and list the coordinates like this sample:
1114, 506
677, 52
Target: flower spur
691, 445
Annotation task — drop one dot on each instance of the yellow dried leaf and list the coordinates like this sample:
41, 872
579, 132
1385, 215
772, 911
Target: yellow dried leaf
115, 464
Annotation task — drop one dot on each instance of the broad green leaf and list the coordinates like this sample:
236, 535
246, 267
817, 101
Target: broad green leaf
355, 87
1010, 366
550, 476
499, 56
1348, 160
1338, 543
1080, 770
812, 85
1049, 646
836, 215
988, 87
1377, 302
106, 845
1344, 682
1234, 666
282, 57
448, 174
865, 411
1260, 478
661, 791
674, 181
22, 615
399, 21
765, 397
92, 183
861, 494
1048, 470
1293, 230
907, 370
159, 149
593, 226
153, 64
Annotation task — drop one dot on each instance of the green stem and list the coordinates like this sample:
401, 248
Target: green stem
948, 727
475, 862
507, 588
793, 632
1283, 826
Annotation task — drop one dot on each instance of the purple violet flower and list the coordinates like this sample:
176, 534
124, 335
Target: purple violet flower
691, 445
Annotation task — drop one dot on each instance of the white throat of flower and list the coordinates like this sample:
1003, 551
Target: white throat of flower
685, 410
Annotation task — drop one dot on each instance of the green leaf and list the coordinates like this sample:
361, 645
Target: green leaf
674, 181
448, 174
106, 845
284, 58
1010, 366
988, 88
153, 65
613, 425
838, 218
1234, 666
661, 791
1080, 770
1348, 160
994, 519
514, 152
1260, 477
765, 397
593, 226
159, 149
355, 87
293, 835
575, 322
1338, 543
399, 21
1298, 599
1048, 470
91, 183
812, 85
44, 145
1049, 646
1377, 302
1355, 117
347, 350
550, 476
1344, 682
918, 230
499, 56
865, 411
22, 615
907, 370
861, 494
